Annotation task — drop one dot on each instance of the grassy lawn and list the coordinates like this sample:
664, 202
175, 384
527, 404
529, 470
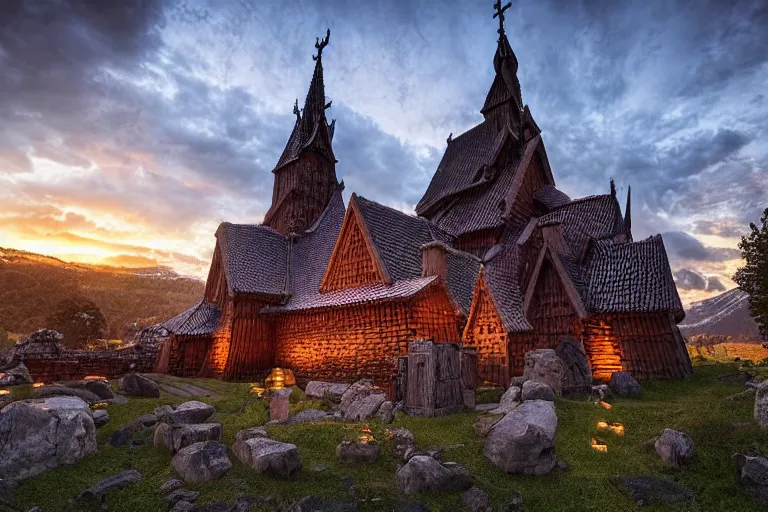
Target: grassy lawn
697, 407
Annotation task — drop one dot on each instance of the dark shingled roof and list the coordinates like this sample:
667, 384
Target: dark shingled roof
358, 295
502, 277
551, 198
631, 278
311, 252
463, 269
398, 237
199, 320
463, 158
589, 217
255, 258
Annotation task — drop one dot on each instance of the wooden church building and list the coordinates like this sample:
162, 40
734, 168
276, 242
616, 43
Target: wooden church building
496, 258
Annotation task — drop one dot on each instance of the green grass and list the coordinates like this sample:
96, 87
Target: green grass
696, 407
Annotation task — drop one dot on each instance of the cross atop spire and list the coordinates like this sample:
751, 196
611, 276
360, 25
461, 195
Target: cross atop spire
500, 14
321, 44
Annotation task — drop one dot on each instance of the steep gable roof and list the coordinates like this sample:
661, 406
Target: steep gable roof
596, 217
254, 257
551, 198
632, 278
199, 320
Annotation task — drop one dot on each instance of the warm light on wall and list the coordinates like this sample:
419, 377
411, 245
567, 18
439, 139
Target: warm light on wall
599, 446
38, 384
95, 377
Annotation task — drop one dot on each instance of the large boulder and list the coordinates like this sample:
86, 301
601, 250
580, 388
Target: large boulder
761, 404
250, 433
81, 393
320, 389
752, 474
424, 474
509, 400
534, 390
38, 435
269, 456
543, 365
523, 441
675, 447
16, 376
624, 384
181, 436
484, 423
202, 462
134, 384
360, 401
578, 376
191, 412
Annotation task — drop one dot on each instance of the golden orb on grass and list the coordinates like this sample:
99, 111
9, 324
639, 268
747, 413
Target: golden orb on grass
280, 378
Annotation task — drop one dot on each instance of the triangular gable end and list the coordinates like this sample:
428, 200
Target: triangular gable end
532, 173
355, 260
482, 306
547, 254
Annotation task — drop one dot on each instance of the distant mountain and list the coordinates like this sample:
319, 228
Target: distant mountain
32, 285
725, 314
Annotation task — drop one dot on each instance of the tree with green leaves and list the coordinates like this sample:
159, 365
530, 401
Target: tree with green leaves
753, 277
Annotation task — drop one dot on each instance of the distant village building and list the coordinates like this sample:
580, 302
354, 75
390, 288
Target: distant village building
497, 258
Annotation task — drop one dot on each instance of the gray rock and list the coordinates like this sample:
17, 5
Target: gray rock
192, 412
160, 437
601, 391
35, 509
624, 384
358, 453
483, 424
16, 376
533, 390
401, 440
171, 485
182, 495
118, 481
523, 441
182, 506
675, 447
269, 456
83, 393
307, 416
578, 376
360, 401
487, 407
320, 389
38, 435
250, 433
761, 404
315, 504
425, 474
543, 365
477, 500
386, 412
348, 485
121, 436
163, 413
100, 417
100, 388
181, 436
144, 421
7, 489
202, 462
134, 384
647, 490
752, 474
509, 400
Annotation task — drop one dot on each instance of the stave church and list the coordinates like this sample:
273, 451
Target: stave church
496, 258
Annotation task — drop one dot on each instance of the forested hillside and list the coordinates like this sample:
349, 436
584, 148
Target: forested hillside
35, 290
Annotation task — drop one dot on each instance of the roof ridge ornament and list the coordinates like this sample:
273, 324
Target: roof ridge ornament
321, 44
296, 110
500, 14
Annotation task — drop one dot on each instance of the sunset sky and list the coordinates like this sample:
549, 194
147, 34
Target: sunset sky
128, 134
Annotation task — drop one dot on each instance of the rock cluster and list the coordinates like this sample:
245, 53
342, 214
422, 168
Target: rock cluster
16, 376
202, 462
265, 455
360, 401
320, 389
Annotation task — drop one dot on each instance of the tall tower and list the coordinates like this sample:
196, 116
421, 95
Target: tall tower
305, 175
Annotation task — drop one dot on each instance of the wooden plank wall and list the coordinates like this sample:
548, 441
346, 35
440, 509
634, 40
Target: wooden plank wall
487, 335
603, 348
352, 264
523, 207
216, 285
252, 348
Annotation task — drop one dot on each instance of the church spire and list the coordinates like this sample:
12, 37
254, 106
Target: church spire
628, 213
506, 86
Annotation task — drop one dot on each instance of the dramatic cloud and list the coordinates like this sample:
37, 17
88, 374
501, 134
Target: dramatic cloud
688, 279
149, 122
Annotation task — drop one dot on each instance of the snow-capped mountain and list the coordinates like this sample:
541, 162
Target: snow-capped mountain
726, 314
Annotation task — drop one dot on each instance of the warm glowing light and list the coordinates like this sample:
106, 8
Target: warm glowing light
616, 428
279, 378
5, 391
38, 384
99, 405
258, 391
599, 446
367, 434
365, 439
95, 377
605, 405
